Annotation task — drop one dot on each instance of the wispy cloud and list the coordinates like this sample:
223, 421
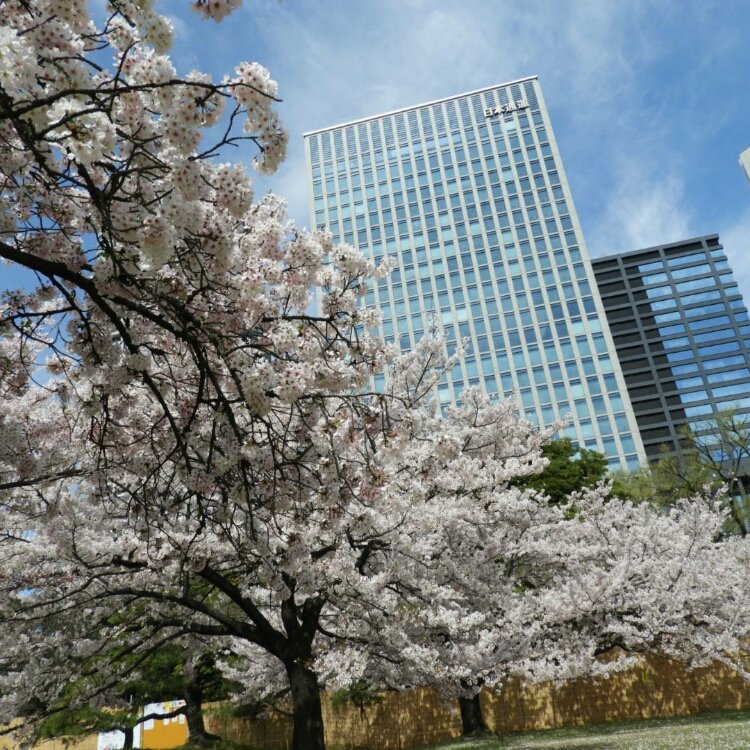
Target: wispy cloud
642, 210
647, 98
338, 64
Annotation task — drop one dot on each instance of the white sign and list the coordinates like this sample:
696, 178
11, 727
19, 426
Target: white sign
504, 109
115, 739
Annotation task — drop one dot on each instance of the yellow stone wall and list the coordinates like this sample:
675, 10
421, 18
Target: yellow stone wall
396, 721
657, 688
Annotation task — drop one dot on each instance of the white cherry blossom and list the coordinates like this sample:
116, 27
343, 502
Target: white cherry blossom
186, 450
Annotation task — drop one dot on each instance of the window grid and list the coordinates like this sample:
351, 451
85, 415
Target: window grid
682, 354
478, 216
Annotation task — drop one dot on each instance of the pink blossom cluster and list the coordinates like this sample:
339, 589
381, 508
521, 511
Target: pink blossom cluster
255, 90
216, 9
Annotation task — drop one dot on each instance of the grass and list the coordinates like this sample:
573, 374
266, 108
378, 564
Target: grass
724, 731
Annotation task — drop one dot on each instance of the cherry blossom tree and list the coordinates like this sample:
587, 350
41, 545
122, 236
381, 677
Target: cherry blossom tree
187, 451
164, 380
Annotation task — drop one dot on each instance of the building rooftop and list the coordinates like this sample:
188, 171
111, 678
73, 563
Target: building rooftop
418, 106
664, 245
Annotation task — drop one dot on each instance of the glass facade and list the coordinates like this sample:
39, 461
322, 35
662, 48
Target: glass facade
468, 196
682, 334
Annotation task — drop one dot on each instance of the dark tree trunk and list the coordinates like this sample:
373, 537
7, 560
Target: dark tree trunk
472, 721
127, 743
308, 717
194, 714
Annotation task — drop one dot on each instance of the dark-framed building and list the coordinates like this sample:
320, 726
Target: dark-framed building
682, 335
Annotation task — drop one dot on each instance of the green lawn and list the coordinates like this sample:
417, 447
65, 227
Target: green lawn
725, 731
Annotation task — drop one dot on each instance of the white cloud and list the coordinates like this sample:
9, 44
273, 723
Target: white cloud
337, 65
632, 102
642, 209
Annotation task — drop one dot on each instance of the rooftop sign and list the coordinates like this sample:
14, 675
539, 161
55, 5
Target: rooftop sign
504, 109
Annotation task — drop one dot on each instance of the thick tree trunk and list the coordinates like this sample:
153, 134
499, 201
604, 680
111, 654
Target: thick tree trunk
472, 720
194, 715
127, 743
308, 717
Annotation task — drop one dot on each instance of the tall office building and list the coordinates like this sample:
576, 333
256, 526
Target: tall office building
469, 197
682, 335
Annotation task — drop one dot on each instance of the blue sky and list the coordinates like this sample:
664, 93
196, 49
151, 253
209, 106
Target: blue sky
649, 99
